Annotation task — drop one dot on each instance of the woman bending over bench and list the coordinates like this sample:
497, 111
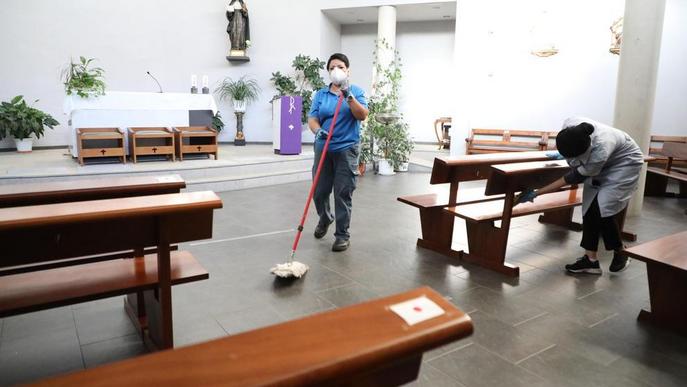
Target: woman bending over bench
608, 161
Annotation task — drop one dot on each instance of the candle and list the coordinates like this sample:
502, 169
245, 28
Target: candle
206, 81
194, 80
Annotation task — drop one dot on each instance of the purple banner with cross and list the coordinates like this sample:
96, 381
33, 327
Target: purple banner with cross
288, 127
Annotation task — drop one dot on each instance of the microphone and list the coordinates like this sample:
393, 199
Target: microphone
155, 79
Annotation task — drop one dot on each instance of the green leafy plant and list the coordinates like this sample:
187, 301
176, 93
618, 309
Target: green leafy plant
217, 122
305, 81
390, 141
83, 80
19, 120
243, 89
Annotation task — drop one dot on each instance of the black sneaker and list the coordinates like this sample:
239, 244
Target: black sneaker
584, 265
321, 230
620, 263
341, 244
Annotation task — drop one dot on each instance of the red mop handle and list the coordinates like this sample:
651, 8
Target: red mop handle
317, 174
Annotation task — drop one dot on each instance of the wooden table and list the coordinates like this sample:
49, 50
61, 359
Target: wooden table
666, 266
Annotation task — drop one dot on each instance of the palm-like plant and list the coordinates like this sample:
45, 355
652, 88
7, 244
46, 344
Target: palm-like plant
243, 89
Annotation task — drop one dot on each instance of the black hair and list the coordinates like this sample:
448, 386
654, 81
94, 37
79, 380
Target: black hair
574, 140
340, 57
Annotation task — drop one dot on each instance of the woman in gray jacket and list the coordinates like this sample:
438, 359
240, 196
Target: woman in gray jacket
608, 161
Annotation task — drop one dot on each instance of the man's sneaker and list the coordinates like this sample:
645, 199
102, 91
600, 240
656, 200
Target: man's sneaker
620, 263
341, 244
321, 230
584, 265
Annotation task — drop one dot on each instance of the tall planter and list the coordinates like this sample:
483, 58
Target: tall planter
25, 145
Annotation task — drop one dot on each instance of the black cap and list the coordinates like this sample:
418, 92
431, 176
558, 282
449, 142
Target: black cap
574, 140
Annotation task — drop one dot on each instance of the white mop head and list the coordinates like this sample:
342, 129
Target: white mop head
290, 269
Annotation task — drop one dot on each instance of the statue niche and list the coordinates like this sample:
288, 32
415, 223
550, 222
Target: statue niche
238, 30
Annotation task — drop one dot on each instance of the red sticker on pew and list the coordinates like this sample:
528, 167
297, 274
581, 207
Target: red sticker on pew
417, 310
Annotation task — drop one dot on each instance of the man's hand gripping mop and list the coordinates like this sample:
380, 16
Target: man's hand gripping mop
294, 268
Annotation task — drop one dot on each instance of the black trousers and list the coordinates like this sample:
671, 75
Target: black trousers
594, 226
339, 175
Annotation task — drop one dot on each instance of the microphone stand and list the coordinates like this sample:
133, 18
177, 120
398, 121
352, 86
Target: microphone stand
156, 81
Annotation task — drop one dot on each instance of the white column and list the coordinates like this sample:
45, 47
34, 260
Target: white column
386, 32
639, 55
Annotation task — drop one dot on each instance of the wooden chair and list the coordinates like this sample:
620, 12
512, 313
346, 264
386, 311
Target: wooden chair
503, 140
657, 177
91, 142
195, 139
79, 229
151, 141
666, 269
360, 345
441, 129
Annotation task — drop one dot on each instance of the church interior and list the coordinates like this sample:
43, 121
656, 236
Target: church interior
354, 193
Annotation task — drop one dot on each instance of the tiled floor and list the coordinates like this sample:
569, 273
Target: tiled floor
544, 329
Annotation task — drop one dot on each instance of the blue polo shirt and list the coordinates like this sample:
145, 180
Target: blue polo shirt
347, 130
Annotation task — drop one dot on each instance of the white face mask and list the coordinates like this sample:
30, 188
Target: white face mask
338, 76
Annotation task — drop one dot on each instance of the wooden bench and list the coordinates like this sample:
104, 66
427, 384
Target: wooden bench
505, 140
360, 345
656, 145
437, 225
38, 234
195, 139
666, 266
657, 177
15, 195
486, 242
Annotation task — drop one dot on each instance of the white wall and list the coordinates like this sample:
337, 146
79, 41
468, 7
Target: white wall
670, 115
426, 50
171, 38
507, 87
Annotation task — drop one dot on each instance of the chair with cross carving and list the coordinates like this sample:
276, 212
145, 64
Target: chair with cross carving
195, 140
151, 141
100, 143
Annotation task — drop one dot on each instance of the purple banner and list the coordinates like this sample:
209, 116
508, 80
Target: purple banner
290, 130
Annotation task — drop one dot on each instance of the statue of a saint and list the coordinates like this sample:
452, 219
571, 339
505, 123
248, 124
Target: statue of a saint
238, 30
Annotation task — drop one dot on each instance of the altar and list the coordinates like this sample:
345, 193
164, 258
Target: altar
123, 110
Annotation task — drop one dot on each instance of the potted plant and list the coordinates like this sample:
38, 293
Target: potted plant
83, 80
240, 92
305, 81
404, 149
21, 121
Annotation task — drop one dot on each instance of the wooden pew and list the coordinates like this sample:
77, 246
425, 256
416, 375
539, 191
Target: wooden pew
666, 266
360, 345
15, 195
487, 243
437, 225
506, 140
656, 145
657, 177
35, 234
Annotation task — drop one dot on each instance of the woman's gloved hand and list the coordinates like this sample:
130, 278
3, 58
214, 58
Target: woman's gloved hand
321, 133
555, 156
527, 195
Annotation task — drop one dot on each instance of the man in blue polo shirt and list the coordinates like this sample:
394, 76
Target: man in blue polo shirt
340, 167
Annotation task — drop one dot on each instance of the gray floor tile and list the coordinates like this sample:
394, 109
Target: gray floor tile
112, 350
102, 323
248, 319
476, 366
347, 295
43, 354
42, 322
432, 377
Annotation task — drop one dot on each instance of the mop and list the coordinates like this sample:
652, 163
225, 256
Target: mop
294, 268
